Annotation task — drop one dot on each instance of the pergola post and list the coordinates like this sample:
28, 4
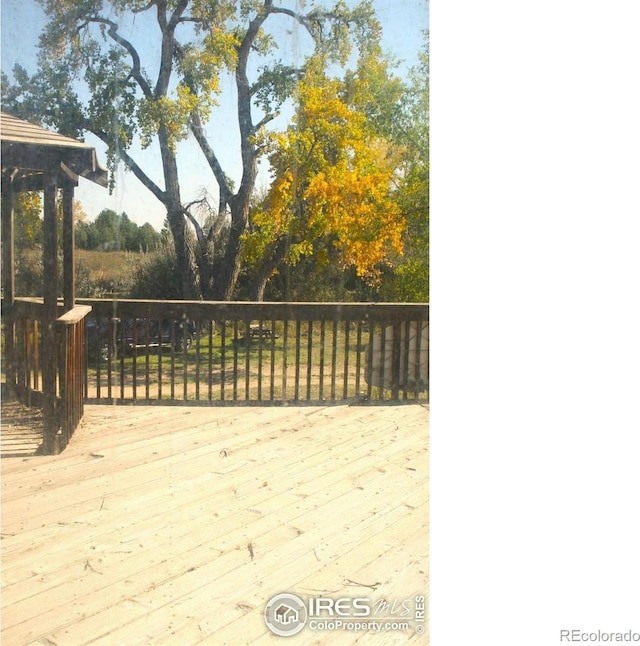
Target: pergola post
68, 243
50, 292
8, 278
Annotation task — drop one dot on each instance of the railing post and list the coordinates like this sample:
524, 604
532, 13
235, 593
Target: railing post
70, 329
63, 383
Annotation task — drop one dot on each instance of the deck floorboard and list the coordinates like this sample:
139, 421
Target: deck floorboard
175, 525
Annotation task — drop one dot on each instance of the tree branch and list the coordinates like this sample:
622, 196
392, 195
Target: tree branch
244, 104
136, 70
198, 132
292, 14
195, 223
168, 44
177, 14
312, 22
133, 166
264, 121
145, 8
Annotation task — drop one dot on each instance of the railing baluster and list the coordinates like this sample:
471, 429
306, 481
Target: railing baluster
160, 355
185, 362
197, 361
322, 338
223, 351
172, 352
122, 353
210, 362
85, 367
309, 358
407, 325
247, 359
296, 394
369, 361
147, 365
358, 357
134, 352
260, 340
345, 368
395, 361
419, 324
285, 349
36, 355
236, 343
334, 358
272, 367
383, 358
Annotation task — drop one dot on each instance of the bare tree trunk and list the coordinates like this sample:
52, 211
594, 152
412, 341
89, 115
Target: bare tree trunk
183, 242
225, 281
270, 263
206, 260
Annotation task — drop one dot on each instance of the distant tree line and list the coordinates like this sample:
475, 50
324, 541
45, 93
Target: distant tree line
111, 231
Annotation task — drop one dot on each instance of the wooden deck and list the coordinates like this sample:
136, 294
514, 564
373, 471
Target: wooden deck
175, 525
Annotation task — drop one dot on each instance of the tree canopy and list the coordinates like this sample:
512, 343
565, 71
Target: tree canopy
332, 194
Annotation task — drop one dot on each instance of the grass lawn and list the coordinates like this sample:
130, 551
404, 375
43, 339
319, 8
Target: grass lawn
307, 369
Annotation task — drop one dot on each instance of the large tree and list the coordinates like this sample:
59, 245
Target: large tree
351, 181
332, 197
101, 48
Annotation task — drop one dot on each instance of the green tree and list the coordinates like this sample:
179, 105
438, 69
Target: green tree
148, 239
409, 279
106, 231
196, 41
27, 220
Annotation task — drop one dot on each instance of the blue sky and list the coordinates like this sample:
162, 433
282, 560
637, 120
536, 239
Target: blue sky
403, 22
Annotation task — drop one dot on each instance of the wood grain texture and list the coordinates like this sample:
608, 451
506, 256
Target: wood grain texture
175, 525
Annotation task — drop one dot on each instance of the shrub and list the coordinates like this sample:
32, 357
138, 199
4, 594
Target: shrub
157, 276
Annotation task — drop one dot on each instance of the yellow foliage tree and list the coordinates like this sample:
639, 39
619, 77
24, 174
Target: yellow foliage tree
332, 194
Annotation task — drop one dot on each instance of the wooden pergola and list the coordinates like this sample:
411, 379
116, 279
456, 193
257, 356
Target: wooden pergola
35, 159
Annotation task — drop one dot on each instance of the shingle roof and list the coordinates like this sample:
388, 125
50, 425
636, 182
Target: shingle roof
14, 129
26, 145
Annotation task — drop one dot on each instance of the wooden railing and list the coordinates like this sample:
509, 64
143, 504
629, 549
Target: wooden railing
28, 358
71, 361
249, 352
23, 350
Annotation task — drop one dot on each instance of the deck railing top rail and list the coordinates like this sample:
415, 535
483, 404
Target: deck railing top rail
245, 310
